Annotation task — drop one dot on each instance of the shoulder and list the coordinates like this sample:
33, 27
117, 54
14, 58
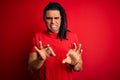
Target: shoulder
38, 34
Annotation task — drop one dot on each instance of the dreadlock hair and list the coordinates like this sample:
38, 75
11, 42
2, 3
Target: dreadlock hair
62, 34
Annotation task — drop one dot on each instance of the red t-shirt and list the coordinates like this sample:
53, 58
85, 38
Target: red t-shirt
53, 68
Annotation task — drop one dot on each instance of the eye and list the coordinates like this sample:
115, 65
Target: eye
48, 18
56, 18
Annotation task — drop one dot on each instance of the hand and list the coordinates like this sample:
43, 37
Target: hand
45, 51
73, 55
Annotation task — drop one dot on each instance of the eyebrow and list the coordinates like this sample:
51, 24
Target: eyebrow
52, 17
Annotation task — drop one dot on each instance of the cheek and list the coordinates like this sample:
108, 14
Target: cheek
47, 23
59, 22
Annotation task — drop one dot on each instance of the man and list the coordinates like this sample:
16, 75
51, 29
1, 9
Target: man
56, 51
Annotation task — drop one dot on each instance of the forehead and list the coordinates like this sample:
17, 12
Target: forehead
52, 13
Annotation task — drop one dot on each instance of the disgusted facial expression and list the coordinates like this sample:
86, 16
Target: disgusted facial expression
53, 20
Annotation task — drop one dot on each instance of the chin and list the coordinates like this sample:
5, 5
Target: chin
54, 31
51, 31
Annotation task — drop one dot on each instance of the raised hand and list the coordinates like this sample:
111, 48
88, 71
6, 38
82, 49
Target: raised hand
73, 55
45, 51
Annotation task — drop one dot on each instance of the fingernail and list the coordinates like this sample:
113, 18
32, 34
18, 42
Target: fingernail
81, 50
48, 45
35, 47
54, 55
74, 43
63, 62
80, 44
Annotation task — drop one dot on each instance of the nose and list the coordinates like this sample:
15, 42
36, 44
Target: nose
52, 21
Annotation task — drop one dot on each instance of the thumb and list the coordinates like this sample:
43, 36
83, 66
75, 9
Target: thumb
64, 61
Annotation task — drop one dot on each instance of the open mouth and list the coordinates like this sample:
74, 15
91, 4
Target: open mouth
53, 26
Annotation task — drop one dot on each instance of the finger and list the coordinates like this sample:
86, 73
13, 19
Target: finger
79, 47
81, 51
46, 46
36, 49
52, 52
67, 60
42, 55
47, 49
69, 52
41, 45
75, 46
78, 55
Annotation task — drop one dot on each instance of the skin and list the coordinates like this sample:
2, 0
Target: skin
35, 62
52, 20
74, 57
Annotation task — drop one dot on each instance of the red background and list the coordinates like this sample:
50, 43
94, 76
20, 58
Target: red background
97, 23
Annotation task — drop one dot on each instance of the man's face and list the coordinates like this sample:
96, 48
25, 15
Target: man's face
53, 20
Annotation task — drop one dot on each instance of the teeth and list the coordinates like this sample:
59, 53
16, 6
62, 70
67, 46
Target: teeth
53, 26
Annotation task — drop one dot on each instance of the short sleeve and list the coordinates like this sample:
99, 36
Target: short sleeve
35, 42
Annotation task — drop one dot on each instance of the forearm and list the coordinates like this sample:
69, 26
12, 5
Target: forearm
36, 64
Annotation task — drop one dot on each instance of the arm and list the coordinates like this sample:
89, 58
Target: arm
74, 58
44, 52
34, 62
